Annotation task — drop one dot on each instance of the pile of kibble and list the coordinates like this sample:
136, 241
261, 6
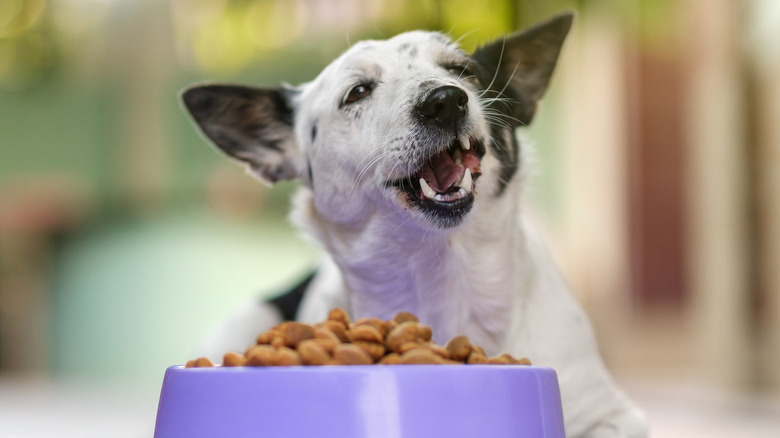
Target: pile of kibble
338, 341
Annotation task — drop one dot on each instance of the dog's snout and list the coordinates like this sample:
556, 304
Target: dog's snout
446, 106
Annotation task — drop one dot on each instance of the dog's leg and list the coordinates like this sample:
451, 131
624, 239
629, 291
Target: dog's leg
553, 330
594, 406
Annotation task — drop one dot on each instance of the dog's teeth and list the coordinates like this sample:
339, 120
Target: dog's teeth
466, 182
465, 142
426, 189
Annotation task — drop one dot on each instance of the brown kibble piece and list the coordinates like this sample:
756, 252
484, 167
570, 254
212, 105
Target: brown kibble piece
328, 344
373, 322
339, 315
425, 332
503, 359
476, 358
523, 361
261, 356
202, 362
325, 333
439, 350
348, 354
367, 333
268, 337
405, 332
391, 359
459, 348
233, 360
287, 357
337, 328
296, 332
402, 317
313, 353
280, 328
407, 346
190, 364
375, 350
420, 356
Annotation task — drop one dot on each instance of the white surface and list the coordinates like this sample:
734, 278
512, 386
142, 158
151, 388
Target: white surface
37, 409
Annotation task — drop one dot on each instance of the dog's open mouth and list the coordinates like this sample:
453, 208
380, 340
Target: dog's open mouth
444, 184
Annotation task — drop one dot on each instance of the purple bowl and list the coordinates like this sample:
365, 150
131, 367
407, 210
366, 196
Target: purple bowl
389, 401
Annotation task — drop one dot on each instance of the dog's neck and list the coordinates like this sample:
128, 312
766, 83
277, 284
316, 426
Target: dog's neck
458, 281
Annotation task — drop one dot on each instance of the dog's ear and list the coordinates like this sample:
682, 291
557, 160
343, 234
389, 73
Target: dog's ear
525, 61
253, 125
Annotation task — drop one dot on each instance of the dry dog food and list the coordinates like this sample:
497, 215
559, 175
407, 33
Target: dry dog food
338, 341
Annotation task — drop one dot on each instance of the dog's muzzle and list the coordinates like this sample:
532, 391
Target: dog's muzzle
443, 184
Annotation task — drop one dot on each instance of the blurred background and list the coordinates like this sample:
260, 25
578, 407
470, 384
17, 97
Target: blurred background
124, 236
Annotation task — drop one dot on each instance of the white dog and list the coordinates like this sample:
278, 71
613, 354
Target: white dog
411, 180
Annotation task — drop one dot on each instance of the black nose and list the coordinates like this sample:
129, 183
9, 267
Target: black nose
446, 106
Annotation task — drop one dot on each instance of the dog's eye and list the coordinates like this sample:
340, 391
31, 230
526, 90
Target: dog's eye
356, 93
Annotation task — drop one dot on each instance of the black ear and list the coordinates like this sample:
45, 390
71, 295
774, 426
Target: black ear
523, 62
253, 125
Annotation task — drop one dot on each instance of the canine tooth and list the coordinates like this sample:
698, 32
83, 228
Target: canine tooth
426, 189
466, 182
465, 142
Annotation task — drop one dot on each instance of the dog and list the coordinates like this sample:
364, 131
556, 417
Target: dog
411, 178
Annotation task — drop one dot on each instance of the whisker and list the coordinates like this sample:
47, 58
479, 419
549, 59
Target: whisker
509, 80
500, 58
362, 173
457, 41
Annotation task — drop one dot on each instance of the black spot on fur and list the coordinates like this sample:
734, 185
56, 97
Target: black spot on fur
311, 175
441, 38
413, 52
284, 111
288, 302
313, 132
506, 111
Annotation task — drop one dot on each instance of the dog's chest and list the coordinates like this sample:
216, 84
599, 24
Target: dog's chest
455, 287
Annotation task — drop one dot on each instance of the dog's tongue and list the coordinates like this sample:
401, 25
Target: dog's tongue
440, 172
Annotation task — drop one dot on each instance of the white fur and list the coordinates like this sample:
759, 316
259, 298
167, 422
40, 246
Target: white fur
489, 277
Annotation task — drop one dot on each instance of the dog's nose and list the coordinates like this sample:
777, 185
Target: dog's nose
446, 106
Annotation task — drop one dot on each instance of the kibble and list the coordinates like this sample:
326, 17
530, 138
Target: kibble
350, 354
234, 360
366, 341
459, 348
313, 353
201, 362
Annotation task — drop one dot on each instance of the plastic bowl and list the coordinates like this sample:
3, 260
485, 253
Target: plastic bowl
388, 401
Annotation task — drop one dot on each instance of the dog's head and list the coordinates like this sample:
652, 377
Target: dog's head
412, 125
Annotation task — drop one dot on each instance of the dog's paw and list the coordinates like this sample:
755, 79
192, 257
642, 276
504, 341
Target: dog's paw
629, 423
